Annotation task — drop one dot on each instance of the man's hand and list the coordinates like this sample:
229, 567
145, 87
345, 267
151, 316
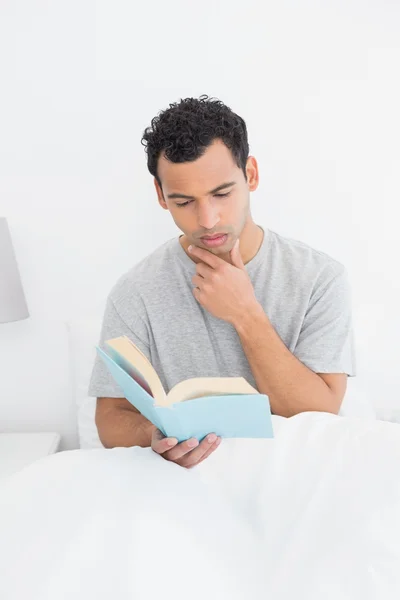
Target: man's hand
186, 454
224, 290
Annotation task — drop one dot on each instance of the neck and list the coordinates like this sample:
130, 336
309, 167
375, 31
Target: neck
250, 241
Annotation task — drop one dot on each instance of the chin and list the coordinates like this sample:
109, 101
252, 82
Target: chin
219, 250
225, 249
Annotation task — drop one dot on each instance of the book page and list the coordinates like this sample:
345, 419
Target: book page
137, 365
208, 386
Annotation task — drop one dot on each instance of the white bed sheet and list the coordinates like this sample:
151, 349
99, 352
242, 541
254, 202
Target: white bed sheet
313, 513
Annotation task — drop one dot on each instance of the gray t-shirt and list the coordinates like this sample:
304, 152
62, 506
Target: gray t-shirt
304, 292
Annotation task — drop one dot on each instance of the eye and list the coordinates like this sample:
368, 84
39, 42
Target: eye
215, 195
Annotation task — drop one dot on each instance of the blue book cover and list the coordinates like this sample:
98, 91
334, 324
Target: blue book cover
229, 416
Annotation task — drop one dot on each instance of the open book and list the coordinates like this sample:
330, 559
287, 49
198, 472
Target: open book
226, 406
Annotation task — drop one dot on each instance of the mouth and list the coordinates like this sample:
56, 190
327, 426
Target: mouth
215, 240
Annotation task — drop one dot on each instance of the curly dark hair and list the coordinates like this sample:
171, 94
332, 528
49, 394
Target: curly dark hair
185, 130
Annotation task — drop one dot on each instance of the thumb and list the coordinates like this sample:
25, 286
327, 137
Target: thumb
160, 443
236, 257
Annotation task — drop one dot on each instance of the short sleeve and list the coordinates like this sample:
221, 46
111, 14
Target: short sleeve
101, 383
326, 340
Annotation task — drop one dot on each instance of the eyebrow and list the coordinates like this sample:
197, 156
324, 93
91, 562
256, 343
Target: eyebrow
214, 191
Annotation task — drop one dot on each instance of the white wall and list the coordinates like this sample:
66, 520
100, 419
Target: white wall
318, 85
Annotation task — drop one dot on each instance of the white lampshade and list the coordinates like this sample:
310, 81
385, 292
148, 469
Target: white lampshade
12, 299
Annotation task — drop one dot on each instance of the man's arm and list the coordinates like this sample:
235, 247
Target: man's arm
226, 291
291, 386
120, 424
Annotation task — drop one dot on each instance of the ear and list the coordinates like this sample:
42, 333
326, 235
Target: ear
236, 257
160, 195
252, 173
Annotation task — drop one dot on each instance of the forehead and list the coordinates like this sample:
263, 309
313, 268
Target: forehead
210, 170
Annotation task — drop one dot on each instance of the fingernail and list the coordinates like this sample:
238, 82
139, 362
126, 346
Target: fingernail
172, 442
190, 248
211, 438
193, 443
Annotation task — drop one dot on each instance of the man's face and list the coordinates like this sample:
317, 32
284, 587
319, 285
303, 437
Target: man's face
189, 191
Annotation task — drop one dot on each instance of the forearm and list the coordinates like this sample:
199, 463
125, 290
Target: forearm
290, 385
123, 427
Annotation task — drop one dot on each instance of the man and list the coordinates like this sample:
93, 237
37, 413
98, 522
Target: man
226, 298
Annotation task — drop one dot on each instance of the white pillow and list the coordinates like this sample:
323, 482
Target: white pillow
87, 430
356, 402
84, 334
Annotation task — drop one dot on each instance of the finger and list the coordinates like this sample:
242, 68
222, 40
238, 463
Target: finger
206, 256
160, 443
192, 458
197, 280
181, 449
210, 451
196, 293
189, 461
203, 270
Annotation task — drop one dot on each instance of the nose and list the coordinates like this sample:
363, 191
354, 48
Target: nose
207, 216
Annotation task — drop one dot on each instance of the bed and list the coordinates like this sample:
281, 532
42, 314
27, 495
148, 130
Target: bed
313, 513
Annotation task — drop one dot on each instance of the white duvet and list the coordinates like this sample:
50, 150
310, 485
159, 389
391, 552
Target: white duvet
313, 514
